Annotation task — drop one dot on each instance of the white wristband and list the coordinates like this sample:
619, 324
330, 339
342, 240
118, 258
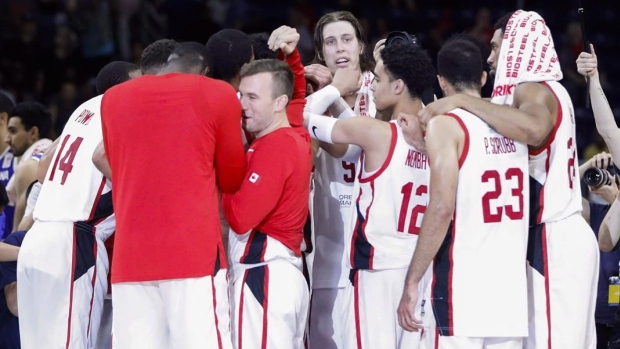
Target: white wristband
319, 101
320, 127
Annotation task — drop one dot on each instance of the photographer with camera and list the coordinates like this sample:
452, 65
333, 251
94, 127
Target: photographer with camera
600, 176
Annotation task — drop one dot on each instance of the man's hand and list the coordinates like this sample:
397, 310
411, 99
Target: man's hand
439, 107
347, 80
587, 63
601, 160
406, 309
607, 192
319, 74
376, 53
284, 38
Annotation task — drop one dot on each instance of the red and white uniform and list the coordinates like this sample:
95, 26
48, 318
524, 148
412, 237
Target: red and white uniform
332, 209
389, 206
63, 263
169, 265
479, 285
562, 249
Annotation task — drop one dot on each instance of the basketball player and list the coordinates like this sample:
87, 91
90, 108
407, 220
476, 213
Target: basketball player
30, 123
531, 107
270, 294
63, 263
169, 267
339, 43
390, 198
7, 164
8, 253
476, 234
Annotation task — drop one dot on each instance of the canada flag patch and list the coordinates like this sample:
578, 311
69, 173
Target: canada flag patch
254, 177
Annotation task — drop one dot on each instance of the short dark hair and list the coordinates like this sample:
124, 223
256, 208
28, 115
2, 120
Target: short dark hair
190, 54
502, 22
281, 74
367, 63
260, 47
112, 74
33, 114
485, 51
412, 64
6, 103
227, 51
155, 56
460, 63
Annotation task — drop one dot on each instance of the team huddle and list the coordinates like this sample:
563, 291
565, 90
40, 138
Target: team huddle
252, 202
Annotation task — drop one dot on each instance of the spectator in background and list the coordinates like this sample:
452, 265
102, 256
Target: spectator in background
600, 200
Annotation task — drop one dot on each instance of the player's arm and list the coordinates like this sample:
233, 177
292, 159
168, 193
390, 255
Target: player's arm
25, 174
609, 232
528, 121
587, 65
286, 39
230, 160
100, 160
444, 137
260, 190
10, 295
8, 253
46, 160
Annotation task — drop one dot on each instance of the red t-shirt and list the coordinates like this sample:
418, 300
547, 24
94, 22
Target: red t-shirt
169, 139
273, 198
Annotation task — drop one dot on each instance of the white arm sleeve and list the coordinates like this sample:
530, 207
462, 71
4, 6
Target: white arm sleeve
320, 127
319, 101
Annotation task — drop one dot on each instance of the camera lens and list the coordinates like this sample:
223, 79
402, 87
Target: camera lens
595, 177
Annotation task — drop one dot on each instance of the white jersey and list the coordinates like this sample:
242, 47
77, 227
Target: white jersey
554, 179
332, 206
480, 287
74, 190
389, 206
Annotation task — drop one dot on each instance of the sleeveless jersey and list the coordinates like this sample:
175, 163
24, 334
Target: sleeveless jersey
389, 207
74, 190
555, 189
332, 204
479, 284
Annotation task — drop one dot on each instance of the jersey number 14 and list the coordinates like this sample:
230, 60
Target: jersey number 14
64, 161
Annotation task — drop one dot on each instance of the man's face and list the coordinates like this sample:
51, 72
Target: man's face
19, 139
341, 48
496, 45
382, 88
257, 102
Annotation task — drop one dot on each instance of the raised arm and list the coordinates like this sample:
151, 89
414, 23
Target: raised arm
530, 120
444, 138
587, 64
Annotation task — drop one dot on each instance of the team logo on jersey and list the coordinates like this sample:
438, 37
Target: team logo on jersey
254, 177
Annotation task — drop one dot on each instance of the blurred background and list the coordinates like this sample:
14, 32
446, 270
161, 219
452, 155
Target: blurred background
51, 50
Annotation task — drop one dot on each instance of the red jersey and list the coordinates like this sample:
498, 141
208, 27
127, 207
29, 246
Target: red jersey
169, 139
273, 198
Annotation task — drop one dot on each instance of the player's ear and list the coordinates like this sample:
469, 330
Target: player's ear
281, 102
399, 86
34, 133
483, 78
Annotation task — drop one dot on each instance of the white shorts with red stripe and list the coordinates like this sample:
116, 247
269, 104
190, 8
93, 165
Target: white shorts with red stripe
456, 342
187, 313
562, 275
372, 322
62, 280
270, 307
